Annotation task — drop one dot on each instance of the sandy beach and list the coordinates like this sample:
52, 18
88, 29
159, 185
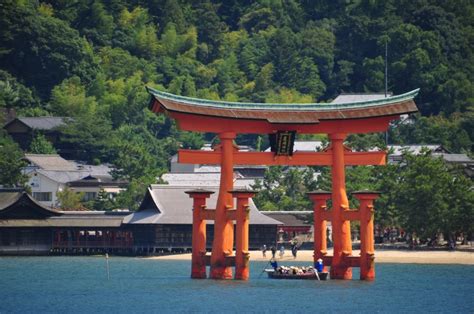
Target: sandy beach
381, 256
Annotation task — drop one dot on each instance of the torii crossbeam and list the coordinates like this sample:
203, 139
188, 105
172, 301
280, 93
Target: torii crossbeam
228, 119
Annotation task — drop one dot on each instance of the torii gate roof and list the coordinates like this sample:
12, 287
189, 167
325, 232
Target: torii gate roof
279, 113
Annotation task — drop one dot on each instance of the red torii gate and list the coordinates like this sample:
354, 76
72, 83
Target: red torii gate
228, 119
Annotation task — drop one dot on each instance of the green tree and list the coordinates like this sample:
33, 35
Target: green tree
318, 43
461, 207
124, 101
387, 212
40, 145
132, 197
254, 53
210, 30
70, 200
374, 74
42, 50
87, 138
11, 162
8, 96
97, 24
431, 198
69, 99
117, 63
365, 142
137, 153
284, 189
174, 14
229, 77
285, 95
263, 81
284, 54
257, 20
307, 79
14, 94
103, 202
448, 132
136, 33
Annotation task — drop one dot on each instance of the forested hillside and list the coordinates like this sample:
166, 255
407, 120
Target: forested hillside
91, 60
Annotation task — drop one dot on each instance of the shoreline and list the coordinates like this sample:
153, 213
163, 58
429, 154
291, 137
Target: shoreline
381, 256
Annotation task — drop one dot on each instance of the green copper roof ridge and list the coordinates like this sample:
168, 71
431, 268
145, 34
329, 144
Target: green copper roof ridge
282, 106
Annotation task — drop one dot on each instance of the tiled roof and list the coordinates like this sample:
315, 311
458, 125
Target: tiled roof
291, 219
95, 170
355, 97
199, 179
284, 113
209, 169
98, 180
51, 162
455, 158
63, 221
8, 197
413, 149
40, 123
14, 203
192, 178
63, 176
11, 199
171, 205
61, 170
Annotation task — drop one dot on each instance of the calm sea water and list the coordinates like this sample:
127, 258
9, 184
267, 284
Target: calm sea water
80, 285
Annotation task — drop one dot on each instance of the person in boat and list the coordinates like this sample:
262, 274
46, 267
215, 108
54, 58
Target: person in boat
319, 266
274, 264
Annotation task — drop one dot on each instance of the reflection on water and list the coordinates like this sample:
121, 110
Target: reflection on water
79, 284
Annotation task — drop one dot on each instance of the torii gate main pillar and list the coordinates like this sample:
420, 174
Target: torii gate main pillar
341, 228
223, 243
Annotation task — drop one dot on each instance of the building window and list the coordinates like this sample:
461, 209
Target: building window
43, 196
35, 181
89, 196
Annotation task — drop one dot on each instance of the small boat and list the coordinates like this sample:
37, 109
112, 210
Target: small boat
310, 275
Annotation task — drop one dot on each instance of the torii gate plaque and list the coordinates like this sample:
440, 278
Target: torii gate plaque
228, 119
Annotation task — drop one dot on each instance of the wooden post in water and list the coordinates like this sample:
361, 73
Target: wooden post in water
242, 254
367, 250
319, 199
198, 265
107, 262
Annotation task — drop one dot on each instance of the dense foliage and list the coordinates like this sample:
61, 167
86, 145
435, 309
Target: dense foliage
11, 162
422, 195
90, 60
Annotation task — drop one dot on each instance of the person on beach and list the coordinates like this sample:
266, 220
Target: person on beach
294, 251
264, 251
282, 251
273, 249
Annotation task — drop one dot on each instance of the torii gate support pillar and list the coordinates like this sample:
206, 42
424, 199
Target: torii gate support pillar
320, 199
198, 263
367, 250
242, 255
